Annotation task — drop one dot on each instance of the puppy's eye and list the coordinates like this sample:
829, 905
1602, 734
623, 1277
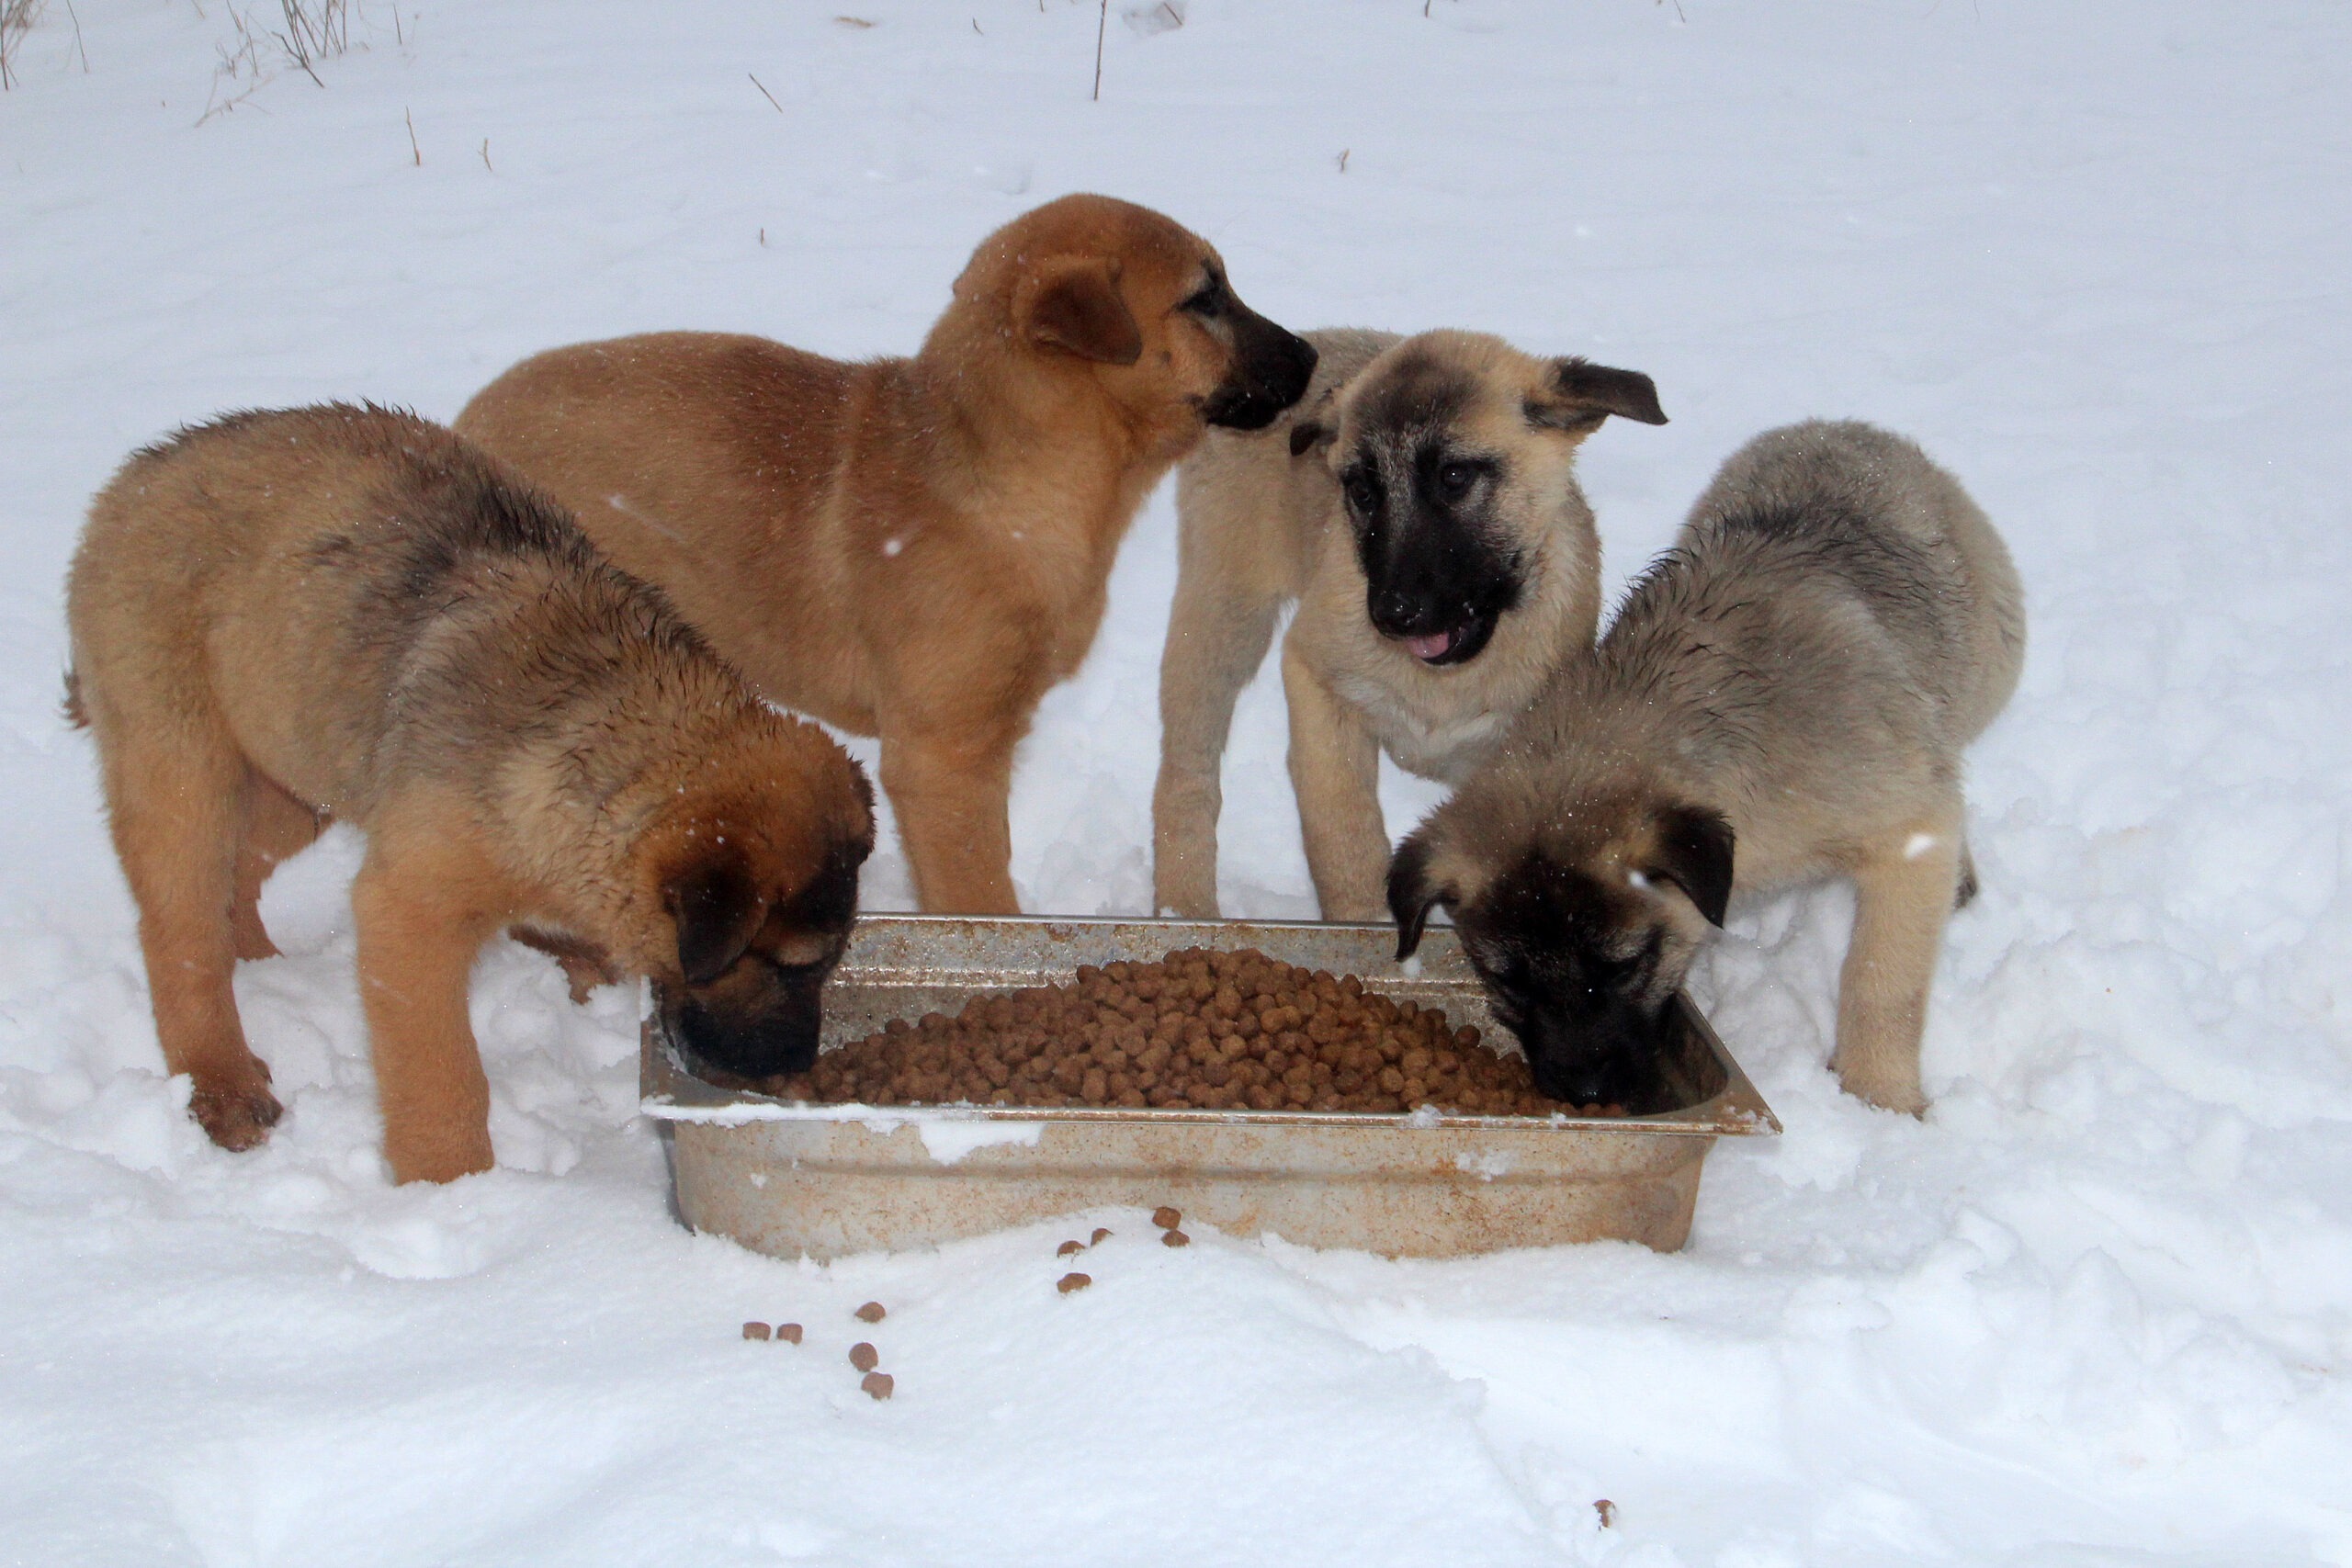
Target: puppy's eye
1207, 301
1454, 479
1363, 494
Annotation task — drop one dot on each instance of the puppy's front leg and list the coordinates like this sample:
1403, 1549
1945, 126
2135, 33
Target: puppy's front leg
1902, 899
953, 799
1335, 771
1218, 632
425, 903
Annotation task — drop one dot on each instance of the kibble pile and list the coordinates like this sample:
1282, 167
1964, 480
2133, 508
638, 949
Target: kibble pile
1200, 1028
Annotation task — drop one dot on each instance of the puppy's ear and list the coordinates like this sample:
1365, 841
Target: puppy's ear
718, 910
1317, 426
866, 799
1694, 852
1578, 396
1412, 895
1073, 303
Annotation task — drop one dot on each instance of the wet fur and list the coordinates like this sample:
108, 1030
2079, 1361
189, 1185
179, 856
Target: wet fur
1784, 697
1263, 524
337, 612
913, 548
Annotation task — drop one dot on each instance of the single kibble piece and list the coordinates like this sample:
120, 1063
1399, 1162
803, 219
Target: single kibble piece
865, 1357
872, 1311
1166, 1218
789, 1333
878, 1384
1102, 1234
1069, 1282
1175, 1238
755, 1331
1066, 1248
1607, 1512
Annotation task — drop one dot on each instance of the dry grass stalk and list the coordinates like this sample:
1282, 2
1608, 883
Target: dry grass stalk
315, 30
16, 18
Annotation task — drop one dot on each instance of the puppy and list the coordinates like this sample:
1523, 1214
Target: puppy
1784, 697
341, 612
1422, 508
914, 548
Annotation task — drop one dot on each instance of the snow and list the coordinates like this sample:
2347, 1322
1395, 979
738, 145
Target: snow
2097, 1309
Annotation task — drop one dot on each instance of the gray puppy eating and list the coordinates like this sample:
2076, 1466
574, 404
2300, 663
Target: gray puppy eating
1784, 697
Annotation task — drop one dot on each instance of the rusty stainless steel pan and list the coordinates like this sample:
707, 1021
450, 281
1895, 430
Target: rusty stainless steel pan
825, 1180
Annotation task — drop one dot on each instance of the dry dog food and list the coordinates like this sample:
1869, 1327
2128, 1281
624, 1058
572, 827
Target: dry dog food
1069, 1248
755, 1331
1200, 1028
879, 1385
1166, 1218
865, 1357
872, 1311
1102, 1234
1175, 1238
1069, 1282
788, 1333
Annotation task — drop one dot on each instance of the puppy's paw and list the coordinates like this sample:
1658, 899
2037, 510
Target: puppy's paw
441, 1158
1888, 1089
236, 1116
251, 943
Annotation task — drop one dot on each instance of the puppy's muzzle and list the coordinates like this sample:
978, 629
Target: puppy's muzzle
771, 1033
1607, 1056
1433, 632
1270, 369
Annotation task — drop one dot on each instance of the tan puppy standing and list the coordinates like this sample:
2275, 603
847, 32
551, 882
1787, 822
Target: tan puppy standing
1784, 697
348, 613
914, 548
1421, 507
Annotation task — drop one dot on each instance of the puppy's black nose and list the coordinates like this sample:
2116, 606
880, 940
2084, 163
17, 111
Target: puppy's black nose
1400, 612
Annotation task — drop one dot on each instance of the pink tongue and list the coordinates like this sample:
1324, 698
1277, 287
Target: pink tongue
1431, 647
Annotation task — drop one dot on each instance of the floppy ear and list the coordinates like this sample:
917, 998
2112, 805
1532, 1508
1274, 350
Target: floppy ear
1578, 396
1073, 303
717, 911
1411, 894
1694, 852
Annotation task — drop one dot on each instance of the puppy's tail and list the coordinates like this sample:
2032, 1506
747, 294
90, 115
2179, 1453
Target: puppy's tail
72, 709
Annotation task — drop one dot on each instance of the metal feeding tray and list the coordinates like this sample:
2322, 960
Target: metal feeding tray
825, 1180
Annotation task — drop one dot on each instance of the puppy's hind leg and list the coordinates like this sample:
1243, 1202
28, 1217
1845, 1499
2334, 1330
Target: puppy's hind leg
173, 792
272, 827
424, 902
1902, 899
1217, 634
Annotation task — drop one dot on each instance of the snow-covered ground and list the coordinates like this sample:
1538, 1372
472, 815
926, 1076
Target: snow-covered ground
2095, 1310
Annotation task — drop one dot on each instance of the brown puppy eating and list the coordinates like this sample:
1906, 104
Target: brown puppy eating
343, 612
1784, 697
913, 548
